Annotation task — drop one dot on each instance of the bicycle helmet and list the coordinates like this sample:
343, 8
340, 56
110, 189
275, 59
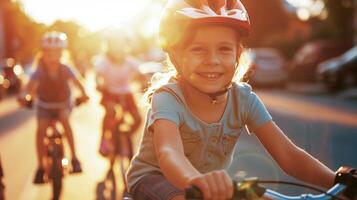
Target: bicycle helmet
54, 40
178, 15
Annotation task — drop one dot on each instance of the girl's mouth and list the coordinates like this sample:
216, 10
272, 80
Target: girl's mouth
210, 75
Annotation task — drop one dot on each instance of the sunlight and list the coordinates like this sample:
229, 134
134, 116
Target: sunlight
307, 8
93, 14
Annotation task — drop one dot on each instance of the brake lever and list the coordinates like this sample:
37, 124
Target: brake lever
248, 189
347, 176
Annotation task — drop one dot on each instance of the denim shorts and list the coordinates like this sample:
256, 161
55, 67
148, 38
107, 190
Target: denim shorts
155, 187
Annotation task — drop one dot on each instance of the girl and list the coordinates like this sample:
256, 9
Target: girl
50, 83
116, 69
195, 120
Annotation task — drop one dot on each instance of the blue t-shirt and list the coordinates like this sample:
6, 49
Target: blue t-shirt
208, 146
53, 89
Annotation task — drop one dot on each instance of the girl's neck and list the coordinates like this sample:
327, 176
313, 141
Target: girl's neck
195, 97
52, 69
202, 105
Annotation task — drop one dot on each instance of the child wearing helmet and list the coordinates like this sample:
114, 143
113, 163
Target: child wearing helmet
115, 70
196, 118
50, 85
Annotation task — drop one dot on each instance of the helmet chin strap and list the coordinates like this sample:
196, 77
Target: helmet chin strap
213, 96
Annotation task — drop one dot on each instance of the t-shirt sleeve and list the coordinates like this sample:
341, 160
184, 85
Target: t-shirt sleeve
35, 75
71, 73
256, 112
164, 106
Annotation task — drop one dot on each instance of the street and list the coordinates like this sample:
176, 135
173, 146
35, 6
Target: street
325, 125
18, 156
322, 124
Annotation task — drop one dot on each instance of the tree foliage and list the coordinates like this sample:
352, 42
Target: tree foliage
340, 17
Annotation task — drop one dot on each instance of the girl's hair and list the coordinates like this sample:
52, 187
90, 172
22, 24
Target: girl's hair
161, 78
66, 58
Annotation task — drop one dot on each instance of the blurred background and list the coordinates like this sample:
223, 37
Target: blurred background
303, 65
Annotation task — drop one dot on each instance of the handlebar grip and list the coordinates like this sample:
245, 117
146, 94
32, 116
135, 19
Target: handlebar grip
193, 193
78, 101
347, 176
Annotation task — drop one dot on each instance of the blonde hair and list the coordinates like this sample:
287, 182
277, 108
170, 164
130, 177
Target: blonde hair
66, 58
159, 79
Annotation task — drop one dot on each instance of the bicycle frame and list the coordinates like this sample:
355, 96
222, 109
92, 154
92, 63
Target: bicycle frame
122, 140
55, 155
249, 189
123, 150
334, 191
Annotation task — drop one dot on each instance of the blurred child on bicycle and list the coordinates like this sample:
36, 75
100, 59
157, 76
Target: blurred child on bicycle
196, 118
116, 69
50, 84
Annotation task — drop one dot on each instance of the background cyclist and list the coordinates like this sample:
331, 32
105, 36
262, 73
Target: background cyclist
116, 69
50, 83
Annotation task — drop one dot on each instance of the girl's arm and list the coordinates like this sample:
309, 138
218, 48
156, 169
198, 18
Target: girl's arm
292, 159
169, 151
179, 170
79, 85
30, 88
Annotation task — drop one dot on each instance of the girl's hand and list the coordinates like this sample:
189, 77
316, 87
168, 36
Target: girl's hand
214, 185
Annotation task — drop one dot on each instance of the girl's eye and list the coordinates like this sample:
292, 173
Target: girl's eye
226, 49
196, 49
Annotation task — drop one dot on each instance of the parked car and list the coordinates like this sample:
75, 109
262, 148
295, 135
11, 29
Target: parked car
304, 64
339, 72
11, 73
267, 67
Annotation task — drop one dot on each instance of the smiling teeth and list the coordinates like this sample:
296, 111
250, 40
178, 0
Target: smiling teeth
210, 75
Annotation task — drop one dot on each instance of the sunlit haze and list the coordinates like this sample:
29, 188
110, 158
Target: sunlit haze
307, 8
93, 14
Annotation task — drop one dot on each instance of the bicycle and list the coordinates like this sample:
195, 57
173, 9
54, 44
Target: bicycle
117, 143
2, 185
55, 161
249, 189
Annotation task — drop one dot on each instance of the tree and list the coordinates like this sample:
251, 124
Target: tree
267, 17
340, 17
21, 32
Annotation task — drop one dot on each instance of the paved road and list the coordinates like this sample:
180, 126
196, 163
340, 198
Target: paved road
17, 151
325, 125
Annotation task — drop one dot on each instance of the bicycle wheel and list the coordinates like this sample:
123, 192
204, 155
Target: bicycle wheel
2, 190
56, 172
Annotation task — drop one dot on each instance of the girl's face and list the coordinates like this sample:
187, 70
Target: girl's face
52, 57
208, 61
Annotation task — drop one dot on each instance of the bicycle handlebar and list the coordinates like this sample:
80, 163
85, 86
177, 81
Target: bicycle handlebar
249, 189
29, 103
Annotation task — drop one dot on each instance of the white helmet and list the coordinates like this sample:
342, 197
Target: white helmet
179, 15
54, 40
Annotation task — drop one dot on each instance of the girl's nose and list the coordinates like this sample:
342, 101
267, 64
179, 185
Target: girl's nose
212, 58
